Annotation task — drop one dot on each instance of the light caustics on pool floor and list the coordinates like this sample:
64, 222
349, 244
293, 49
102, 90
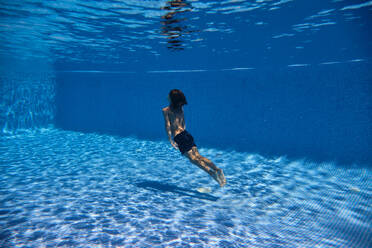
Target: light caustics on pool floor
69, 189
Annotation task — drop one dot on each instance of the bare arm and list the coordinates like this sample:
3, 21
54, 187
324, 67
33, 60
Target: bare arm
168, 129
167, 125
183, 123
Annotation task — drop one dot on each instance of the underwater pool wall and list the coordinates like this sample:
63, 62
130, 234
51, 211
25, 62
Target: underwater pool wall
26, 100
322, 113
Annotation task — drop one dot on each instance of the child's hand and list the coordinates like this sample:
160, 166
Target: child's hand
174, 145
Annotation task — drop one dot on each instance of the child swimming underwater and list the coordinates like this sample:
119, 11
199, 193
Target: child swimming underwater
182, 140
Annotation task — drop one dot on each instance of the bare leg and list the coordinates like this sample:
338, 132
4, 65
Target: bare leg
218, 171
206, 165
209, 163
201, 164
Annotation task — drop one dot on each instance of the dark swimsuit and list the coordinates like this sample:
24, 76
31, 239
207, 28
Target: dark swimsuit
184, 141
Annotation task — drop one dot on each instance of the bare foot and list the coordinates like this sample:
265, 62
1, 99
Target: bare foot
221, 177
218, 176
214, 175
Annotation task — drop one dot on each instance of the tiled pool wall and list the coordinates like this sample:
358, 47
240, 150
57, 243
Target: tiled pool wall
27, 100
320, 113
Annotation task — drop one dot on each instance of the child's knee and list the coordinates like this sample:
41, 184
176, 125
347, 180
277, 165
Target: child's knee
195, 160
207, 160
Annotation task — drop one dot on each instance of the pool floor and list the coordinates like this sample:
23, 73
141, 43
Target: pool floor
68, 189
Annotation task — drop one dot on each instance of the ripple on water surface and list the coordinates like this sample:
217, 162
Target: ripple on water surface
60, 188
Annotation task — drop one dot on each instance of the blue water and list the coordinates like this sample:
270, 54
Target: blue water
63, 188
279, 95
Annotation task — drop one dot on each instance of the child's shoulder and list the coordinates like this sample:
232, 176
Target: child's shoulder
166, 109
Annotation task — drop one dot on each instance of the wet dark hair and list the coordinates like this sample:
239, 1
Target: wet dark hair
177, 99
